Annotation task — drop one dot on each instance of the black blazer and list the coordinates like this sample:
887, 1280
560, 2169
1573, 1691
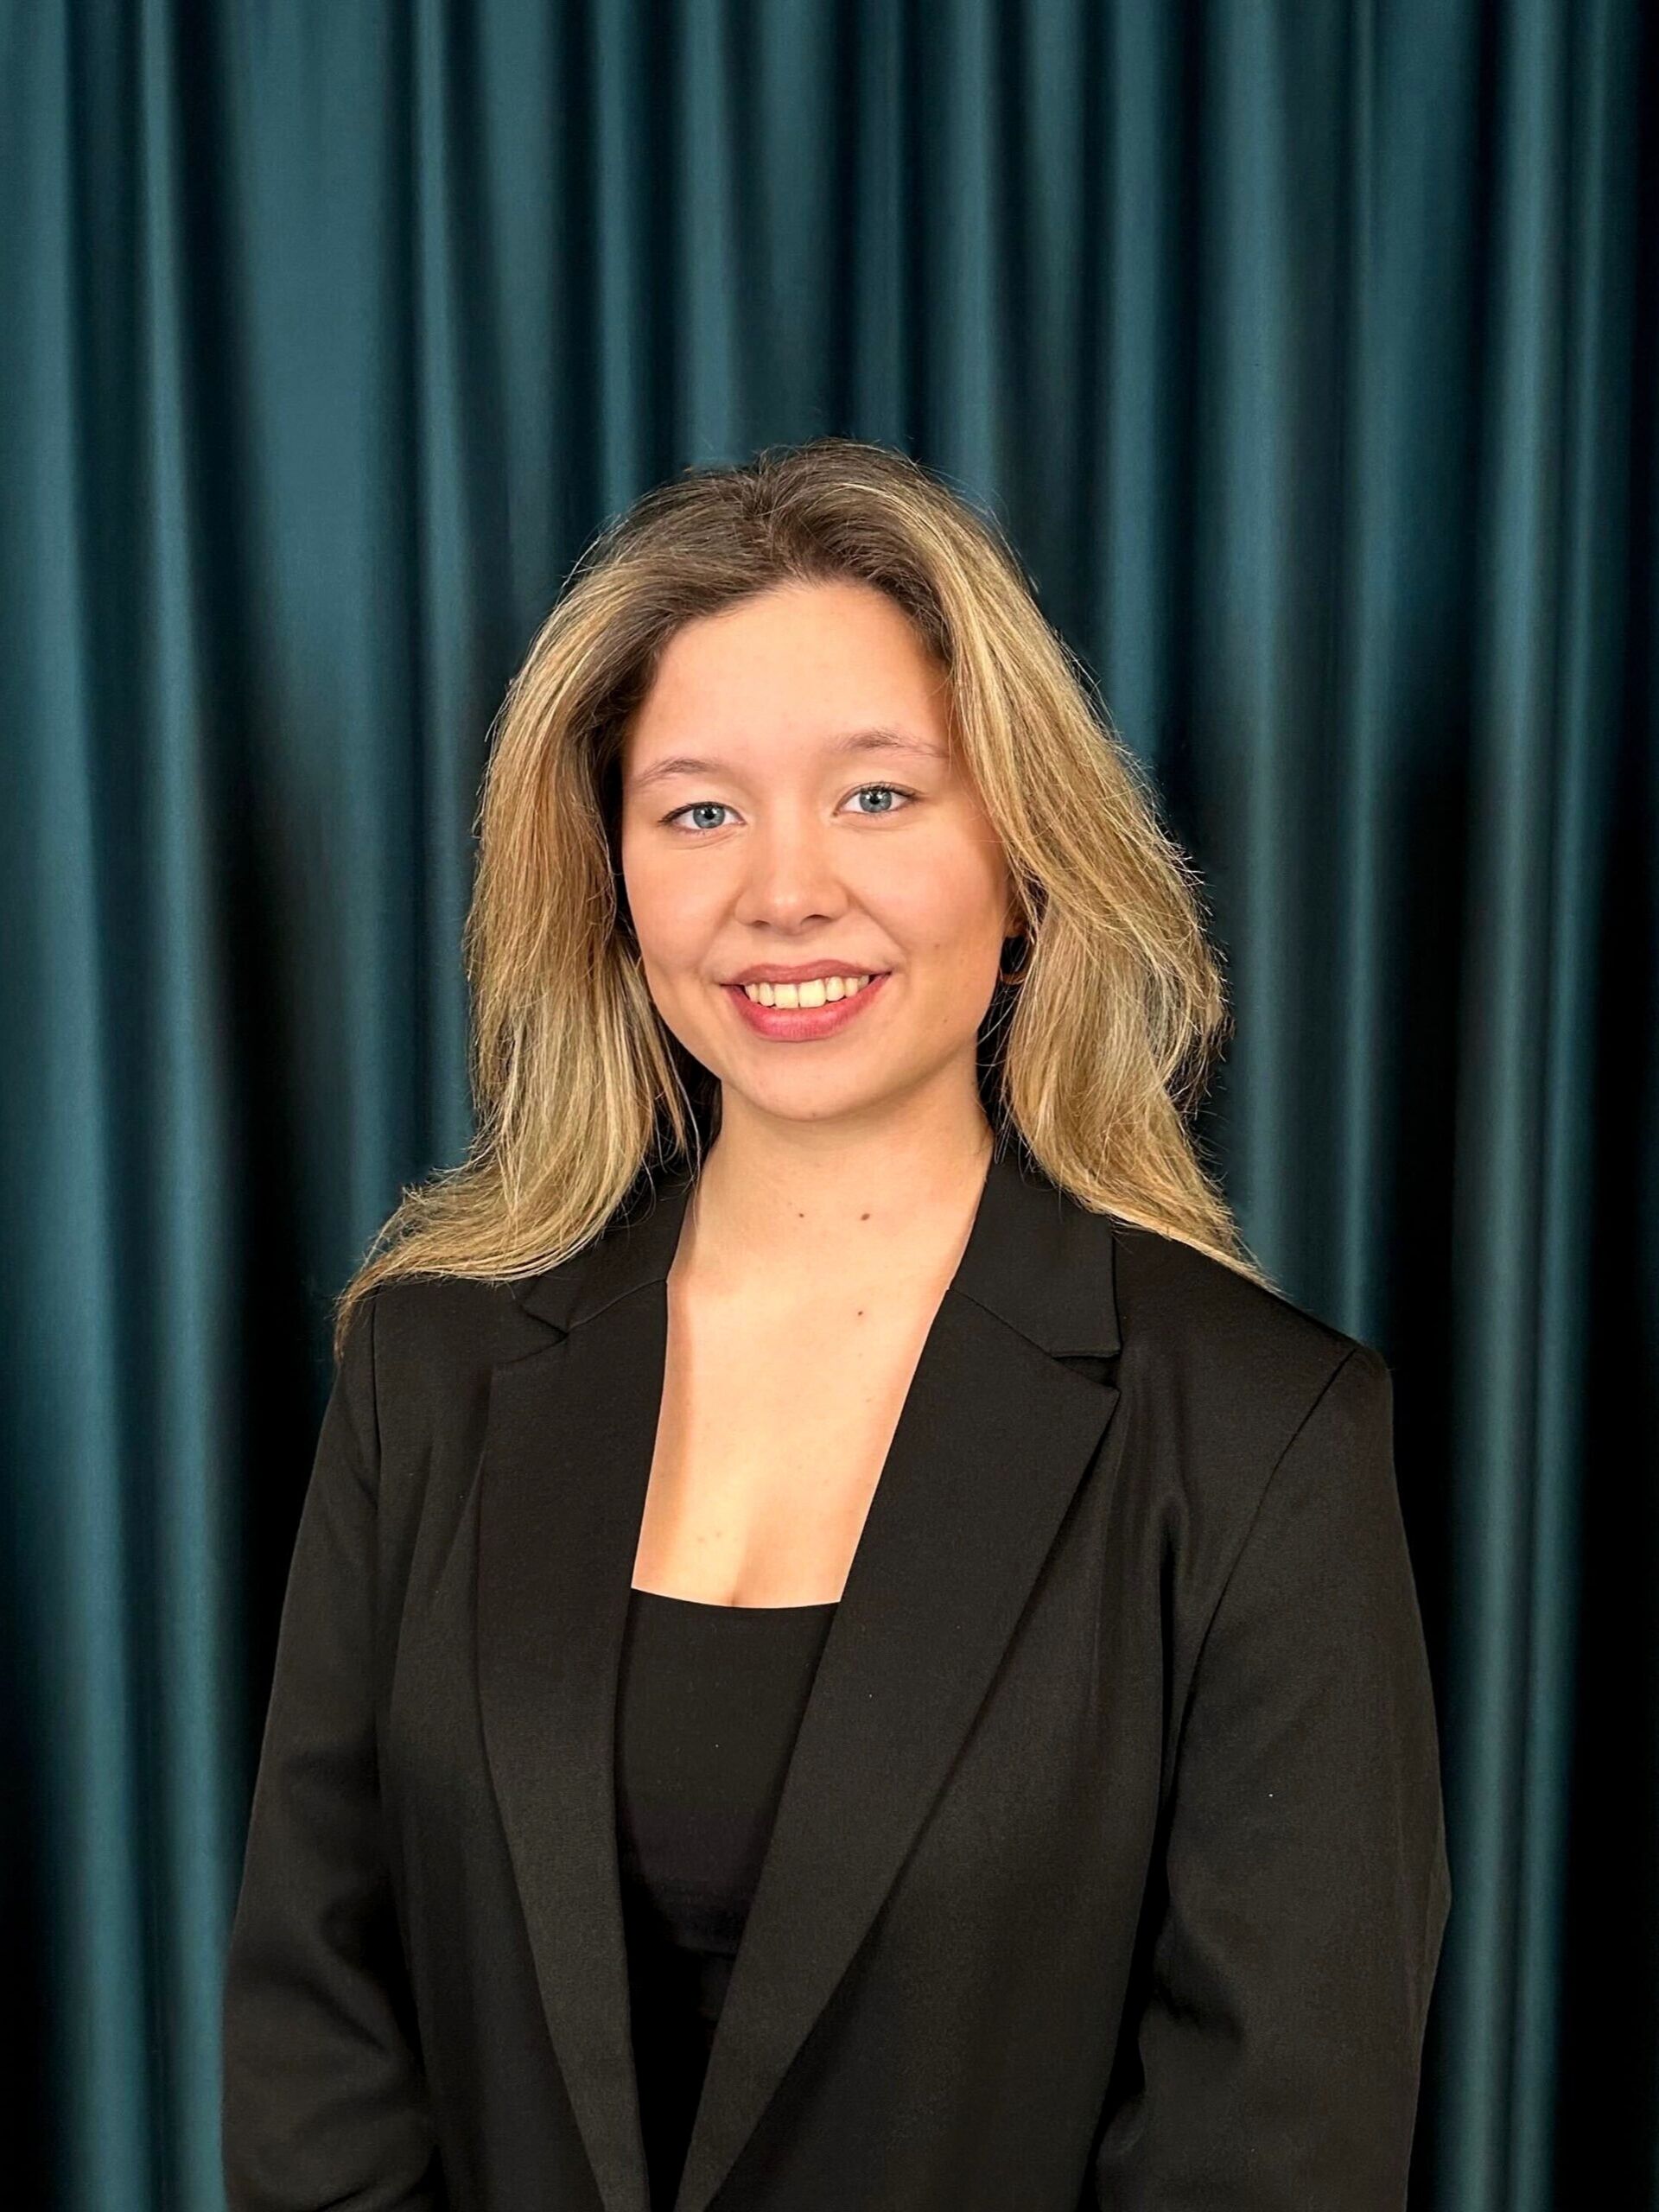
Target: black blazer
1109, 1870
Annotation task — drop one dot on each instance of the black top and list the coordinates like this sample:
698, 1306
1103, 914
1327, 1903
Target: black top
709, 1700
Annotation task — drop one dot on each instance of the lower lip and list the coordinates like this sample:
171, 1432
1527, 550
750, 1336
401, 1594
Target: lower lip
800, 1025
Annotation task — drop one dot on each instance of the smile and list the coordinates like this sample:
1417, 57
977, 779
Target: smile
798, 1024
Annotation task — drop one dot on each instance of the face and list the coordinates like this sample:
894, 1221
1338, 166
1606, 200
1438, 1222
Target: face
791, 801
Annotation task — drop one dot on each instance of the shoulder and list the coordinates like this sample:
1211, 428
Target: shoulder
1219, 1374
1183, 1308
443, 1328
417, 1367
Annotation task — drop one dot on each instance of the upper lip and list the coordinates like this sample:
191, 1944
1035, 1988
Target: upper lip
814, 972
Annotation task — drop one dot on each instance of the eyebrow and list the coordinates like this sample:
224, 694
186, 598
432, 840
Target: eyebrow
854, 741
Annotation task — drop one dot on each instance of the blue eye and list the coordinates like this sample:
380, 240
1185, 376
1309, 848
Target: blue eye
696, 806
700, 806
893, 789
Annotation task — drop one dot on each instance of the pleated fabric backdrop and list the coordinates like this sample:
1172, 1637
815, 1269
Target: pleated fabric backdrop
1308, 353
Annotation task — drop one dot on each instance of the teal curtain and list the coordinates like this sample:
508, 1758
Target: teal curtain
1308, 354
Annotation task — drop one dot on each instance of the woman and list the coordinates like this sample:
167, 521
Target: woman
825, 1472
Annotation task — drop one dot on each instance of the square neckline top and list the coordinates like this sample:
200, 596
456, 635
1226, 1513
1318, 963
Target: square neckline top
715, 1605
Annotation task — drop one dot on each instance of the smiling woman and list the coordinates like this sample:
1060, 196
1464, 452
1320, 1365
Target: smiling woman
734, 659
845, 1646
914, 892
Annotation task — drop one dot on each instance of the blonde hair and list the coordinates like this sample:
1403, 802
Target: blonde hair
1094, 1059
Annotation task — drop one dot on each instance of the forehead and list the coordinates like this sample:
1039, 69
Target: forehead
796, 662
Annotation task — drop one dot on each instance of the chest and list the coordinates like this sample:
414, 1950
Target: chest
775, 1425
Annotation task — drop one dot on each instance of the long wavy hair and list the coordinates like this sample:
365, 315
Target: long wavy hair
1095, 1058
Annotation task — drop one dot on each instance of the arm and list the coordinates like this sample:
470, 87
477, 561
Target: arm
324, 2100
1305, 1886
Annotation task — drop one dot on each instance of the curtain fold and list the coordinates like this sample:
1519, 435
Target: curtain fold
1306, 352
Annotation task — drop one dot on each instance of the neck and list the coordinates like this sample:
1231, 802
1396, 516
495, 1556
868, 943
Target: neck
804, 1213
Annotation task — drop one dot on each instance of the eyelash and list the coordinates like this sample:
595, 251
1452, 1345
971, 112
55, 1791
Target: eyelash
899, 791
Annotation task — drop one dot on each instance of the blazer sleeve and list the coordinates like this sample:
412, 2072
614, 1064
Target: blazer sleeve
1304, 1886
323, 2096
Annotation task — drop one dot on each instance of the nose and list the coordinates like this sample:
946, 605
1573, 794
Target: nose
790, 876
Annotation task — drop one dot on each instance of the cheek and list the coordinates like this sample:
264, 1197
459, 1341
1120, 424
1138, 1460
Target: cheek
668, 909
947, 908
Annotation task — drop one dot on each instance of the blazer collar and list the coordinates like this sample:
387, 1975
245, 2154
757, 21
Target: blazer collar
1008, 1406
1034, 1257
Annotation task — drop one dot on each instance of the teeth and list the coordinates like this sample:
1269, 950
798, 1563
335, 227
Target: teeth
825, 991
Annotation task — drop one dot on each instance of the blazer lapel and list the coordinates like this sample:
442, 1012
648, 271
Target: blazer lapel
567, 1456
994, 1438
